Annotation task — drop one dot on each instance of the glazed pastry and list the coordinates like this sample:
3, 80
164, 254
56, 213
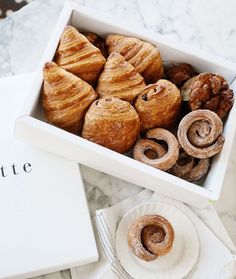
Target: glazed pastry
180, 73
97, 41
200, 134
144, 56
78, 56
164, 159
112, 123
150, 236
208, 91
158, 105
190, 168
65, 98
119, 79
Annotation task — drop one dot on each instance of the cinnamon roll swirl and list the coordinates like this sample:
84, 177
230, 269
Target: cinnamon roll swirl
200, 134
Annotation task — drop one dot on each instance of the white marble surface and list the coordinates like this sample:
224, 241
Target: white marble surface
209, 25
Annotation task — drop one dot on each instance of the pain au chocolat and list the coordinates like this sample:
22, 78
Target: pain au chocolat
65, 98
78, 56
119, 79
112, 123
144, 56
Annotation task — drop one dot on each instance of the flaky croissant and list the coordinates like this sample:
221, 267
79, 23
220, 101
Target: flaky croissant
112, 123
119, 79
78, 56
144, 56
65, 98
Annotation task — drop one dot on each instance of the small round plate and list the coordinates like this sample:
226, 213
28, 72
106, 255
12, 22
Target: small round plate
178, 262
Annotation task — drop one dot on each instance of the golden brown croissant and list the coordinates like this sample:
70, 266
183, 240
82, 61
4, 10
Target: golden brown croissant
65, 98
158, 105
78, 56
144, 56
119, 79
112, 123
150, 236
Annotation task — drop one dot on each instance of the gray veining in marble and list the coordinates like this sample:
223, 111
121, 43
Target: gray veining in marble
208, 25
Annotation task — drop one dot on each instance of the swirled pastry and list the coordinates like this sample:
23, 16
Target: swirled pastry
200, 134
164, 159
144, 56
150, 236
65, 98
190, 168
119, 79
78, 56
158, 105
208, 91
112, 123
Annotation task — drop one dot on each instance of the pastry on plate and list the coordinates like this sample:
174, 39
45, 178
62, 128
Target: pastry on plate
112, 123
65, 98
119, 79
150, 236
78, 56
144, 56
158, 105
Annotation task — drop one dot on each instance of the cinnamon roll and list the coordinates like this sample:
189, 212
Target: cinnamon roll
200, 134
150, 236
190, 168
164, 159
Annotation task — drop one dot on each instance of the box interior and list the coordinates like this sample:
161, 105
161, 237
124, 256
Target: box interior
84, 22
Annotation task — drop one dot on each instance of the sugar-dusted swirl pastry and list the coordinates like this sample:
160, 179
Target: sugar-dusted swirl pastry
200, 134
164, 160
208, 91
65, 98
190, 168
119, 79
78, 56
144, 56
158, 105
150, 236
112, 123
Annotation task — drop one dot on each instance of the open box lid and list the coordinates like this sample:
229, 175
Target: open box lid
45, 222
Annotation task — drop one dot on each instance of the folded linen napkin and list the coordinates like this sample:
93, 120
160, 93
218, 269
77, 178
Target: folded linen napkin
216, 254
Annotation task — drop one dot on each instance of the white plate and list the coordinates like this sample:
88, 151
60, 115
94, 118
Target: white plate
174, 265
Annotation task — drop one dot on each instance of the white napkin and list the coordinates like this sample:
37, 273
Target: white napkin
216, 259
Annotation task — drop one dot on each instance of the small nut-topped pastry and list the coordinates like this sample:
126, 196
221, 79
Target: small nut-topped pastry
112, 123
151, 236
66, 98
158, 105
144, 56
78, 56
208, 91
180, 73
119, 79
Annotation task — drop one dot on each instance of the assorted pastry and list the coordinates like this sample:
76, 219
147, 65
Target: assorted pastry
150, 236
116, 92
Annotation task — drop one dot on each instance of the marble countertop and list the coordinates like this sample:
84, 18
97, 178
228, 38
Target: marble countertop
208, 25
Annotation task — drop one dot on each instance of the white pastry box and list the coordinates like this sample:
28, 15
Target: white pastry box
33, 128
